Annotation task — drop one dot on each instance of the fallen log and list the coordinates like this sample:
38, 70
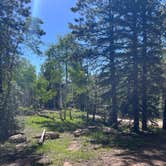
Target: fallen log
51, 135
48, 135
42, 139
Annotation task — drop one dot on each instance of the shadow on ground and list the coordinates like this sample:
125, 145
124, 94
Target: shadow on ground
132, 149
20, 157
65, 125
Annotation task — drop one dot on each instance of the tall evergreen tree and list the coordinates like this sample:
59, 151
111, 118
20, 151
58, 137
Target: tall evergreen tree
99, 26
13, 30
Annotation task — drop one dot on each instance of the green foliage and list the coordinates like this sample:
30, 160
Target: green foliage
33, 33
64, 71
13, 38
126, 43
42, 92
25, 77
13, 15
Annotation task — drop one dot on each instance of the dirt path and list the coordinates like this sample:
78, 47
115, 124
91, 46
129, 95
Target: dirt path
119, 157
74, 146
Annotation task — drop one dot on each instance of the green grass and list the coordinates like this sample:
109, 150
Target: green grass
55, 123
57, 150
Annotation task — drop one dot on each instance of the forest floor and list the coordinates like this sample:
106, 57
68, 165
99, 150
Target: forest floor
120, 148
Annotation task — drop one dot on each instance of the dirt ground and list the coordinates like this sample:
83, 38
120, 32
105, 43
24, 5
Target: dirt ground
118, 157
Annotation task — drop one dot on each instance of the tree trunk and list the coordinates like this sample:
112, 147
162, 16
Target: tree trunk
87, 116
144, 72
1, 80
66, 86
164, 115
144, 104
135, 100
64, 114
96, 102
113, 109
60, 101
135, 73
70, 114
113, 113
94, 113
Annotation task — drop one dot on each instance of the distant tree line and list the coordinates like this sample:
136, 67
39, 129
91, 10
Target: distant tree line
113, 63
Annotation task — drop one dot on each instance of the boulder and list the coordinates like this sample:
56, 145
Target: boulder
21, 146
44, 161
108, 130
80, 132
19, 138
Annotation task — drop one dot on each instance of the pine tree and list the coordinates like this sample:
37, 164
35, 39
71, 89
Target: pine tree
151, 19
12, 18
100, 27
13, 31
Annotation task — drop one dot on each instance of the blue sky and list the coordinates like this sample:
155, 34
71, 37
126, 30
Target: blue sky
56, 15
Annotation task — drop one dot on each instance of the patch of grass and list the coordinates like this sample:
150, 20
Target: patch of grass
54, 123
99, 137
129, 141
59, 152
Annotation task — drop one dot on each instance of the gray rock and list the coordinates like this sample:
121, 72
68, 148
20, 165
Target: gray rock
80, 132
19, 138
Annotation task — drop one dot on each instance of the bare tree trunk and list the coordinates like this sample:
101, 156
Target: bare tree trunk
164, 115
113, 115
70, 114
144, 73
94, 114
1, 88
114, 112
144, 99
66, 87
135, 74
60, 101
96, 101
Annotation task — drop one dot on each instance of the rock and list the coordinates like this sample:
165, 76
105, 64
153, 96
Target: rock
19, 138
21, 146
44, 161
80, 132
108, 130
